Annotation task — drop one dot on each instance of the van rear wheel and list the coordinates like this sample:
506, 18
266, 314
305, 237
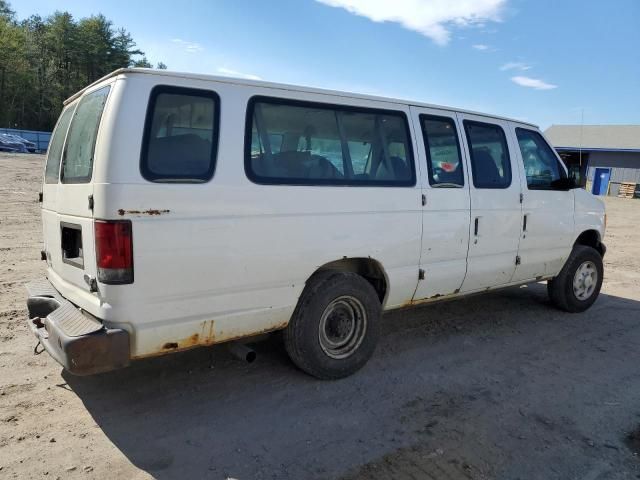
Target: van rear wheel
578, 284
335, 327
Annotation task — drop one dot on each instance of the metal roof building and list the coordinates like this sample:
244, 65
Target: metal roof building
600, 157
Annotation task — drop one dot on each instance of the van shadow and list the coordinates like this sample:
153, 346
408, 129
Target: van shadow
204, 414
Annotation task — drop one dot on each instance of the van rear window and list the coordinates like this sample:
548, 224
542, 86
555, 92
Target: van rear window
77, 160
181, 135
52, 170
302, 143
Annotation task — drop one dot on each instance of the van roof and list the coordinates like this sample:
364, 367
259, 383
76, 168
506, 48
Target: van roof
283, 86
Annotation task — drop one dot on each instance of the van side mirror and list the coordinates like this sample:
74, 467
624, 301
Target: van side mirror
565, 184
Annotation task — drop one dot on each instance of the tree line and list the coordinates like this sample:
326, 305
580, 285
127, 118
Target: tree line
43, 61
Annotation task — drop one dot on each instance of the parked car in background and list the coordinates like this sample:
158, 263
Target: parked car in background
8, 144
31, 146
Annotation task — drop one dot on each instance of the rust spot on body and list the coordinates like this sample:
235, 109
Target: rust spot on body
205, 338
210, 337
188, 342
150, 211
433, 299
155, 212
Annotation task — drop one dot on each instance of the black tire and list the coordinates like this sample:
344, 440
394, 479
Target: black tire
561, 288
327, 300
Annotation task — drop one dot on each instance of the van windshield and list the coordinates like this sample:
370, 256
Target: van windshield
77, 160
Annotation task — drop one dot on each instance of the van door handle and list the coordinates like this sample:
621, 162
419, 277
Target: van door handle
524, 222
476, 226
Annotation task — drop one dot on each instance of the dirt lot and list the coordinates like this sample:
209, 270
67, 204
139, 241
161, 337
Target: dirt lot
495, 386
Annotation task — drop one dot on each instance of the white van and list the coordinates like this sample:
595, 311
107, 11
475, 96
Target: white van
185, 210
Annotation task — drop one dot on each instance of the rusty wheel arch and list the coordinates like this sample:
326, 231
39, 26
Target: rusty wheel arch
368, 268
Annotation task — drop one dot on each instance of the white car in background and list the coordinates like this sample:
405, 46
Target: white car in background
30, 146
10, 144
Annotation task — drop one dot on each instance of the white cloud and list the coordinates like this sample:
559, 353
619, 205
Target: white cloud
189, 47
515, 66
431, 18
533, 83
480, 46
234, 73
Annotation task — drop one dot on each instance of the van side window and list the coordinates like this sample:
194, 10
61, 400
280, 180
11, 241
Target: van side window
181, 135
302, 143
52, 169
490, 163
443, 151
77, 159
540, 163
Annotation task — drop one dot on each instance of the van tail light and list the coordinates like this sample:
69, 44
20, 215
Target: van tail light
114, 251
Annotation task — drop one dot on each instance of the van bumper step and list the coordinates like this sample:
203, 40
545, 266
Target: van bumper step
74, 338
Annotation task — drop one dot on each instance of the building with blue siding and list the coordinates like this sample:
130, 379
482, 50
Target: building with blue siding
600, 157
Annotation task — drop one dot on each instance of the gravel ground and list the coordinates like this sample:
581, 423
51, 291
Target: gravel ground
494, 386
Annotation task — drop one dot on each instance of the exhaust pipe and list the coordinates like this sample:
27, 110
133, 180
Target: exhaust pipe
242, 352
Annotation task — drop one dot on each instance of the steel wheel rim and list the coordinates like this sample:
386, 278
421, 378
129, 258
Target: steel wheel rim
342, 327
585, 280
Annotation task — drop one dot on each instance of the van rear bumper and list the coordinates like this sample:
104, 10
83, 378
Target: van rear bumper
74, 338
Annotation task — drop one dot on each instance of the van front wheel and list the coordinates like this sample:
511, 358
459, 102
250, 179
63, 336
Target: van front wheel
335, 327
578, 284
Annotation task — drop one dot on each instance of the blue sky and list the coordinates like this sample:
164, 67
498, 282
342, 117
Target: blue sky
543, 61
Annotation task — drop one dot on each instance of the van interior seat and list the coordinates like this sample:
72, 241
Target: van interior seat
291, 164
400, 168
486, 172
294, 164
190, 151
323, 168
455, 176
